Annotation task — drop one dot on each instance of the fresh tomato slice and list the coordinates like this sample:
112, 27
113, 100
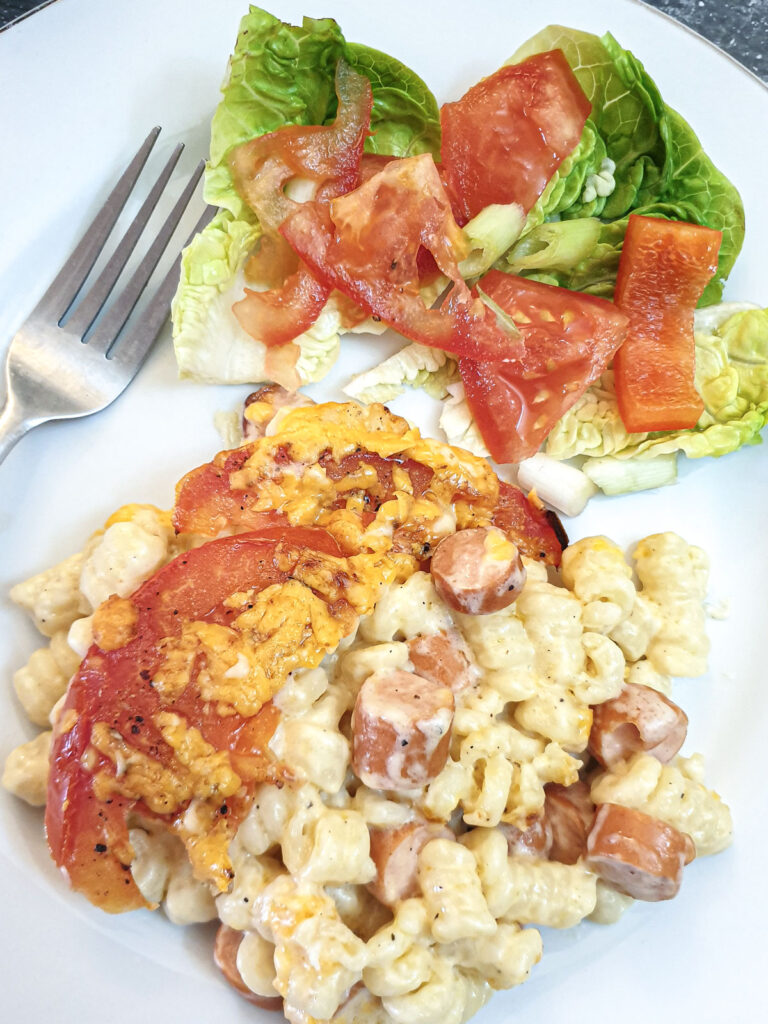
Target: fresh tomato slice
87, 833
277, 316
568, 339
664, 267
505, 138
328, 157
367, 244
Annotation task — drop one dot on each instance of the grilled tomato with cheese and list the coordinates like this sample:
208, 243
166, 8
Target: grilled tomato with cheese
290, 539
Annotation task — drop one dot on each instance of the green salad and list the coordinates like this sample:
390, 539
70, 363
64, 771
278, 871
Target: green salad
635, 156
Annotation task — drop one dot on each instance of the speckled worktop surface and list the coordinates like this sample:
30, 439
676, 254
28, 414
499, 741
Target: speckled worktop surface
740, 27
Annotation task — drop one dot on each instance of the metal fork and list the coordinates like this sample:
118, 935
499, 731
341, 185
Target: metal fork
63, 369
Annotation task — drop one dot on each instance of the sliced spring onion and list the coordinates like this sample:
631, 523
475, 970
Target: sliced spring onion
564, 487
618, 476
489, 235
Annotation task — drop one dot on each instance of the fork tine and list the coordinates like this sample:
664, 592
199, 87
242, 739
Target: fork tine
90, 307
65, 286
113, 322
133, 346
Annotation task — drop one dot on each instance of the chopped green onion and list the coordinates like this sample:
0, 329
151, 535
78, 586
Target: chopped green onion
618, 476
564, 487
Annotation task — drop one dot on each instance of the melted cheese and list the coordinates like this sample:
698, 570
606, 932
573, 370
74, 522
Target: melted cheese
239, 666
114, 623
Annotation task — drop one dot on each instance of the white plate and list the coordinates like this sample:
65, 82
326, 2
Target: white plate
80, 85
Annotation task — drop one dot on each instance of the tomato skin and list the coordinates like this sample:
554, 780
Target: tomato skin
568, 339
505, 138
206, 503
538, 533
664, 268
369, 244
330, 157
204, 498
88, 837
281, 314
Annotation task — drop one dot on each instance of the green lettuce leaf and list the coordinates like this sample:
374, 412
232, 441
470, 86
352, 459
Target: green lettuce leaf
405, 119
660, 169
731, 377
280, 75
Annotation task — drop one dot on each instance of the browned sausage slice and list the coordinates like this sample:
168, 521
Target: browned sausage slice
533, 841
569, 813
225, 957
401, 730
640, 855
395, 852
263, 405
444, 658
477, 571
640, 718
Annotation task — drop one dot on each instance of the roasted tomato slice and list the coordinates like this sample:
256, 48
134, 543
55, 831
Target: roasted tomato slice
568, 339
135, 732
664, 267
325, 158
206, 501
542, 533
506, 137
367, 244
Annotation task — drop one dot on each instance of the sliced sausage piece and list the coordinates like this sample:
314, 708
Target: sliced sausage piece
263, 406
533, 841
640, 855
639, 719
395, 852
401, 730
225, 949
569, 813
477, 571
444, 658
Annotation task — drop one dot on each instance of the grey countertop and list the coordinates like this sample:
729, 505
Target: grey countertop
740, 27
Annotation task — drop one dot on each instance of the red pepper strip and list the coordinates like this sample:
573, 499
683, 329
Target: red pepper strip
665, 266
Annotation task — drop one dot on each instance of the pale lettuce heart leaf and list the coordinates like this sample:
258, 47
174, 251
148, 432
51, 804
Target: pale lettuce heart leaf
731, 377
457, 423
415, 366
210, 344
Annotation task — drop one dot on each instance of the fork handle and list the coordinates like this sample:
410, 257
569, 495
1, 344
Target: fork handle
13, 425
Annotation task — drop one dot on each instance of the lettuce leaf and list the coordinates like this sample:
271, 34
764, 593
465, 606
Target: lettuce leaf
457, 423
210, 344
279, 75
660, 170
731, 377
415, 366
405, 119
